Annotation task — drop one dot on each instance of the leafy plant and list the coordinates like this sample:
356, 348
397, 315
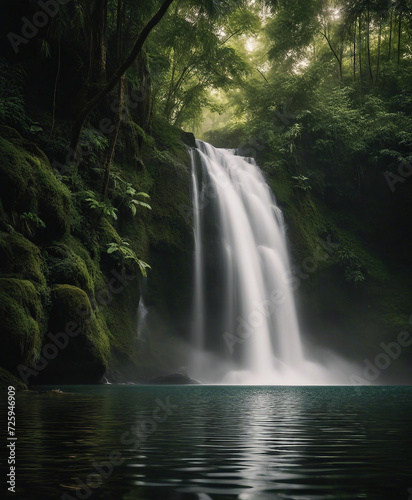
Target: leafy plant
123, 252
352, 265
129, 194
133, 202
31, 222
12, 103
302, 183
104, 206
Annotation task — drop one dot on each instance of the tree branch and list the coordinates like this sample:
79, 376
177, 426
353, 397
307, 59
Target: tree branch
117, 75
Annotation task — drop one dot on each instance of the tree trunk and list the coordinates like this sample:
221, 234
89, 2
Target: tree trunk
336, 56
55, 88
399, 35
99, 27
390, 36
115, 78
354, 52
113, 141
369, 45
378, 65
360, 48
118, 116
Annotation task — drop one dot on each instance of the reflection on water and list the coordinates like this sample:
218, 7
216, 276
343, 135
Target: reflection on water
244, 443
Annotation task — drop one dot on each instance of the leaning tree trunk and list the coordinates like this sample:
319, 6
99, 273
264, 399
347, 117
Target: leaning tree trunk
115, 78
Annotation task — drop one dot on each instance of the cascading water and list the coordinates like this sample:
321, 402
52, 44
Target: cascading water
259, 316
141, 319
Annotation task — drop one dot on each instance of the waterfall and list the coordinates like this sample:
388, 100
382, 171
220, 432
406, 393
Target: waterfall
260, 315
141, 319
198, 306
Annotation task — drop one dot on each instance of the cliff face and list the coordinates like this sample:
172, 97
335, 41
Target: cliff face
68, 309
67, 304
71, 261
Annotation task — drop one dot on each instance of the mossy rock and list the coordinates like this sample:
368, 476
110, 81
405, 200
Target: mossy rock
7, 380
28, 184
93, 264
85, 358
20, 258
20, 320
107, 234
189, 139
65, 267
123, 305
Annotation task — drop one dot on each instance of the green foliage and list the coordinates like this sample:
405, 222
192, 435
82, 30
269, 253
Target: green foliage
31, 222
195, 56
87, 355
21, 312
133, 203
128, 194
7, 380
20, 258
302, 182
29, 185
105, 207
12, 105
66, 267
123, 253
352, 265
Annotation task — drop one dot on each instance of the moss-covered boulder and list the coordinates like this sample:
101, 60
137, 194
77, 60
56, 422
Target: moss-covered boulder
83, 353
28, 184
20, 258
20, 322
7, 380
66, 267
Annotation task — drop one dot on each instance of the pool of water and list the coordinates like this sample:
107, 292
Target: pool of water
213, 442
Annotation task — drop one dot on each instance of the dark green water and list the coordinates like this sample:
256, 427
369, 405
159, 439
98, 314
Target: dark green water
246, 443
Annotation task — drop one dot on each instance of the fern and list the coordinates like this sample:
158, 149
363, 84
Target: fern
123, 252
104, 206
302, 183
129, 194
